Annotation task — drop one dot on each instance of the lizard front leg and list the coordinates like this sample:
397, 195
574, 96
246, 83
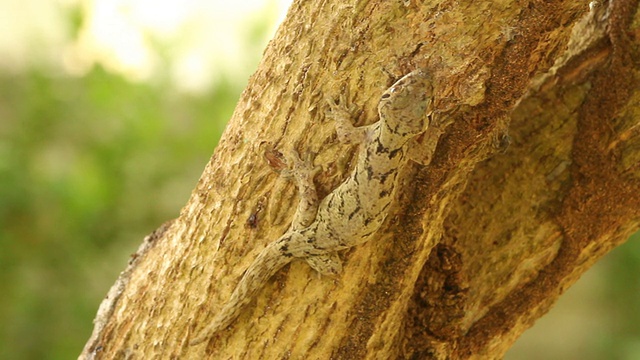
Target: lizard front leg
340, 113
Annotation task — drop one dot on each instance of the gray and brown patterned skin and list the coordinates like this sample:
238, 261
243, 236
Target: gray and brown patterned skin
353, 211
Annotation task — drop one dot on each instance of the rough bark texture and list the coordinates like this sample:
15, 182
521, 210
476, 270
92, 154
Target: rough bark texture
477, 245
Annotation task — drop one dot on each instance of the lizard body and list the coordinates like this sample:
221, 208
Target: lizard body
353, 211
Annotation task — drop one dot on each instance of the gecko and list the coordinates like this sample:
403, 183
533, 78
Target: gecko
354, 210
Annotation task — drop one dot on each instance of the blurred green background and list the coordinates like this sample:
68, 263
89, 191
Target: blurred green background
109, 111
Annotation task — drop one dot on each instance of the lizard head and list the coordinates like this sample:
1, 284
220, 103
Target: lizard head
405, 105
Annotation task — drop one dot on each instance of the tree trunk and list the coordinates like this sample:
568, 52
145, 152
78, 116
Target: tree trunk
477, 244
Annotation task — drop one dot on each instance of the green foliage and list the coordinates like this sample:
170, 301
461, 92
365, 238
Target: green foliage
88, 166
624, 294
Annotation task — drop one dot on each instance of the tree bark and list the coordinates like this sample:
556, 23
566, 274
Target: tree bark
478, 243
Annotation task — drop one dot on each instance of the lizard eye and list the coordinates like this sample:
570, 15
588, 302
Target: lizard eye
385, 96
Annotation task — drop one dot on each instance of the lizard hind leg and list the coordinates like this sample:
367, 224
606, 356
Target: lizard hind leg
327, 264
303, 172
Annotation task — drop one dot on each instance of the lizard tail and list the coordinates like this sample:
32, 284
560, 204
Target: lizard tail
268, 262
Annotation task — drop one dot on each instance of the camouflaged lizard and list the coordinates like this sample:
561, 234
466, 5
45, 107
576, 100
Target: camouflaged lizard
353, 211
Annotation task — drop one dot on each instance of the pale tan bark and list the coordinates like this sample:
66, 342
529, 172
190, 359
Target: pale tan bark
476, 246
